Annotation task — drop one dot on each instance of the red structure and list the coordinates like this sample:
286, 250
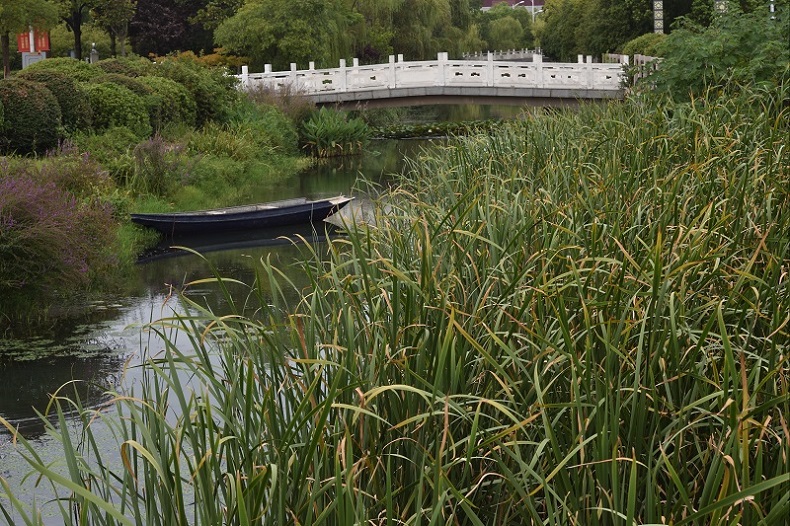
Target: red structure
40, 40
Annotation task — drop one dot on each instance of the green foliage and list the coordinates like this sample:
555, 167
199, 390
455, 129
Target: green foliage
159, 168
330, 133
648, 44
129, 66
269, 126
591, 27
112, 149
32, 122
174, 102
285, 31
76, 69
115, 105
736, 50
75, 110
296, 108
212, 90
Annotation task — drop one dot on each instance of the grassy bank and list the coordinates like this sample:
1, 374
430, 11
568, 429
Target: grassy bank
577, 319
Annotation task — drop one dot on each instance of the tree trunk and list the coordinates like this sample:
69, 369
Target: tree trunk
5, 42
77, 29
112, 43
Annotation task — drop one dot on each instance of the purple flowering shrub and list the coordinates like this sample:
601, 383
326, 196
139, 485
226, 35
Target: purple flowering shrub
49, 237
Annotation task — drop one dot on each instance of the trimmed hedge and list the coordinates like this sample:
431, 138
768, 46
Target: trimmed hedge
76, 69
33, 121
152, 101
175, 102
211, 89
75, 110
116, 105
129, 66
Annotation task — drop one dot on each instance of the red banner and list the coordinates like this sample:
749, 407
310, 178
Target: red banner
23, 42
41, 41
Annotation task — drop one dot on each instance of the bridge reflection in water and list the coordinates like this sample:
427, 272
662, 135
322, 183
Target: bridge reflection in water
445, 81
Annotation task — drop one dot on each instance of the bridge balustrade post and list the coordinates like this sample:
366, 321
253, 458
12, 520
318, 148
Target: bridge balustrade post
245, 77
311, 66
537, 61
392, 81
490, 70
441, 59
589, 72
343, 74
292, 77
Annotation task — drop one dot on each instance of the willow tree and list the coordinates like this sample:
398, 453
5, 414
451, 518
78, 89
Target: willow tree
17, 16
419, 26
283, 31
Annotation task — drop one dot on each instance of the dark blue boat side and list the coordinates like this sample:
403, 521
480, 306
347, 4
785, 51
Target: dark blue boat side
298, 211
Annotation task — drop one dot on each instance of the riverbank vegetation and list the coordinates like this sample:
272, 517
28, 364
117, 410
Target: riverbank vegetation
86, 144
576, 318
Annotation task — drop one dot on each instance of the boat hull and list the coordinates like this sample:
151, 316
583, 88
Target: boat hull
240, 218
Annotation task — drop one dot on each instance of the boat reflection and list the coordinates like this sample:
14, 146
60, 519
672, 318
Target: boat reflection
205, 243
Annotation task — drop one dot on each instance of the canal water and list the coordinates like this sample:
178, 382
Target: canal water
94, 342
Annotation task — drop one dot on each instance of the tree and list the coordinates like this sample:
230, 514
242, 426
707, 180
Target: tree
113, 16
18, 16
283, 31
162, 26
215, 12
74, 13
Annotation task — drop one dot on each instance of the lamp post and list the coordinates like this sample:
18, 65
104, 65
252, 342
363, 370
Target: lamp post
531, 7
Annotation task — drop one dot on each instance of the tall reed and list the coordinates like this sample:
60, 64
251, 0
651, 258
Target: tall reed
579, 319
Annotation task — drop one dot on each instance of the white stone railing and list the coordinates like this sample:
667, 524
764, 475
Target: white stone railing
584, 75
503, 54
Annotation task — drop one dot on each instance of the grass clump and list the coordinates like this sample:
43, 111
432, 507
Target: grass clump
580, 318
331, 133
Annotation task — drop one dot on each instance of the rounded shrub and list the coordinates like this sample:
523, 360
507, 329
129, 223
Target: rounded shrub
32, 122
129, 66
116, 105
176, 104
647, 44
76, 69
76, 112
211, 89
152, 101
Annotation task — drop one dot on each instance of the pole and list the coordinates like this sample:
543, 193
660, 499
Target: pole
658, 16
32, 38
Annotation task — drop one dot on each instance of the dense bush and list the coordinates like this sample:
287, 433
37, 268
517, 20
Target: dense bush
212, 90
129, 66
647, 44
737, 49
330, 133
116, 105
159, 168
112, 149
34, 124
175, 103
268, 125
75, 109
76, 69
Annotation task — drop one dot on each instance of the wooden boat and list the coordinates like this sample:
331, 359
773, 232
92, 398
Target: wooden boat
297, 211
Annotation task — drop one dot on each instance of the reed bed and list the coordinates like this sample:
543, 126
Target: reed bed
579, 319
